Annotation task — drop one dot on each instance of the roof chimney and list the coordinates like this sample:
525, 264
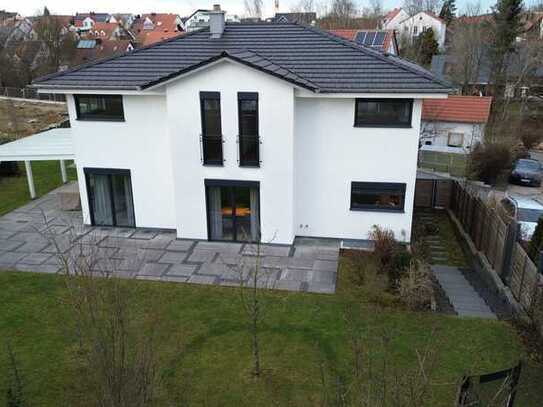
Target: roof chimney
216, 21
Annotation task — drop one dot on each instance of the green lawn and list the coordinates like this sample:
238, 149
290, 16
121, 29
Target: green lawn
204, 343
14, 190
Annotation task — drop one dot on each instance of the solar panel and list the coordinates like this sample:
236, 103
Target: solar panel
86, 44
380, 38
369, 39
360, 35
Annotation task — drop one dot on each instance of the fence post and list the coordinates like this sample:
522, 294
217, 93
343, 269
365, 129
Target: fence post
509, 246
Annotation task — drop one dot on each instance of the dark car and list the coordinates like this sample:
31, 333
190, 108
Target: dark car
526, 172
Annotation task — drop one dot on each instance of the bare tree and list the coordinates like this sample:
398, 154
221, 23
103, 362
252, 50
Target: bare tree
60, 43
374, 9
467, 49
116, 348
304, 6
253, 8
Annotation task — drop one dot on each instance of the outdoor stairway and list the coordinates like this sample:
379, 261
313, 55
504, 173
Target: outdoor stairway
464, 299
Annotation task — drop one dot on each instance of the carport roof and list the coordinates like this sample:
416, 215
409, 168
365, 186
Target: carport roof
54, 144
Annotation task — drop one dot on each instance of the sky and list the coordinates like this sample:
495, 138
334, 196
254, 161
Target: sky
182, 7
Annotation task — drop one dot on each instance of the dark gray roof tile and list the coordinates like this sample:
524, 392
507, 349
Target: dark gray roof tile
306, 56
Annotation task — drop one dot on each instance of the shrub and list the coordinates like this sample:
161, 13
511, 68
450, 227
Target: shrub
530, 138
392, 257
490, 160
416, 288
534, 247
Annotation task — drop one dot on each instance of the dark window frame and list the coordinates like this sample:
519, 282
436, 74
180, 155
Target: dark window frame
386, 125
97, 117
88, 171
204, 137
228, 183
254, 138
374, 188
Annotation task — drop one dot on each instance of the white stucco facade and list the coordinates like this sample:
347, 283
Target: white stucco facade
310, 153
450, 137
415, 25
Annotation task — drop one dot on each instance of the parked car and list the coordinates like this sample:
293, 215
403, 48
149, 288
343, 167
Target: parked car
526, 172
526, 211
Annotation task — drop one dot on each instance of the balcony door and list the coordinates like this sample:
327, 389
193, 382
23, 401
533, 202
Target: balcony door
233, 210
110, 197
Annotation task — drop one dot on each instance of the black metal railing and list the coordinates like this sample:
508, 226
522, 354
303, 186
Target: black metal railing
211, 149
249, 151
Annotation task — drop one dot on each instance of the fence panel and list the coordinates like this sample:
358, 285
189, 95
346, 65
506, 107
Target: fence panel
30, 93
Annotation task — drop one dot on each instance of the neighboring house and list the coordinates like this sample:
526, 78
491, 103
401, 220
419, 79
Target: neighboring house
109, 31
14, 30
88, 50
383, 41
454, 125
153, 27
413, 26
243, 132
85, 21
308, 18
393, 18
200, 19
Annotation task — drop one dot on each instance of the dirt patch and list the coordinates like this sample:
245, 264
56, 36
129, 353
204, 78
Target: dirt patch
22, 118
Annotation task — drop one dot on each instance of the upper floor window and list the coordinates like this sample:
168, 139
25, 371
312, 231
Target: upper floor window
99, 107
378, 196
249, 154
383, 112
210, 110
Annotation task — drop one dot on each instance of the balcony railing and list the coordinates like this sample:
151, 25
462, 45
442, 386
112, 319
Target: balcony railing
211, 150
249, 151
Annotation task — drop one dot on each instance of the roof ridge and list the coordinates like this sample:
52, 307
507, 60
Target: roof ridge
372, 52
279, 65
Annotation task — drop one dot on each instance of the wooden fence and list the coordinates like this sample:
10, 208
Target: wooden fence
496, 240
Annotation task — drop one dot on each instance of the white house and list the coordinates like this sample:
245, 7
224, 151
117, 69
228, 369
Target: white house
200, 19
454, 125
415, 25
246, 133
393, 18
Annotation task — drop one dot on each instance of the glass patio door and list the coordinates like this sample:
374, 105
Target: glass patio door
110, 197
233, 212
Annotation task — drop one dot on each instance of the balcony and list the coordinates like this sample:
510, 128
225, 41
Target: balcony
249, 151
211, 150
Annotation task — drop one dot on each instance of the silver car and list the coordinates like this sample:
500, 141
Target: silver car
526, 211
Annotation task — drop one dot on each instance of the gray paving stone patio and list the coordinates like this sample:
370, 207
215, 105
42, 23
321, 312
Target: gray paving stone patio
33, 236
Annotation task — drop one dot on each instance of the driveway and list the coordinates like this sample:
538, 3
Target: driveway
37, 236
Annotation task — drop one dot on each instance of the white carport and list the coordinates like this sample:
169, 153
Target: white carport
54, 144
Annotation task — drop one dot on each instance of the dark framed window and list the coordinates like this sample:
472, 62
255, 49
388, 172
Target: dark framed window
99, 107
110, 197
210, 111
377, 196
383, 112
249, 140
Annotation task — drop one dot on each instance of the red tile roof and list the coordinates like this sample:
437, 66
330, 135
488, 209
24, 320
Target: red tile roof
392, 13
150, 37
460, 109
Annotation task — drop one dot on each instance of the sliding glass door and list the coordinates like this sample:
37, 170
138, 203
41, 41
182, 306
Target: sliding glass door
110, 197
233, 210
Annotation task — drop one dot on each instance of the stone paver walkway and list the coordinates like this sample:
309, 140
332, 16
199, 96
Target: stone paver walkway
31, 238
464, 299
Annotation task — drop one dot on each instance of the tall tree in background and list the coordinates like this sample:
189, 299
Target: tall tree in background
342, 12
253, 8
426, 46
448, 11
59, 42
507, 26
